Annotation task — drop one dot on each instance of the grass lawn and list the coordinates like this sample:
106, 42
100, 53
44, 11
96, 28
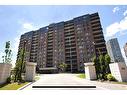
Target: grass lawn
81, 75
12, 86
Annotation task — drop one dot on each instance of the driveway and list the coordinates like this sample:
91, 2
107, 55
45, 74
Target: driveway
61, 80
71, 80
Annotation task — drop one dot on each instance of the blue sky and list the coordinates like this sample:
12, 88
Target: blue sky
16, 20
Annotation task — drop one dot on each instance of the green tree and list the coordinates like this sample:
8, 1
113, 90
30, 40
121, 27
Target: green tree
102, 66
20, 66
107, 62
97, 66
8, 55
62, 67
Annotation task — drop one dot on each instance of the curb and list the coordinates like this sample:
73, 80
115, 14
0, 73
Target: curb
21, 88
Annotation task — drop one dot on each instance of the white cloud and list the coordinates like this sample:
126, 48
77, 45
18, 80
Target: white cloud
25, 27
117, 27
125, 13
28, 26
115, 9
112, 29
123, 53
15, 49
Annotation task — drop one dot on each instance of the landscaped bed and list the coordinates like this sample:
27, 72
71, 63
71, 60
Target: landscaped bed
12, 86
82, 75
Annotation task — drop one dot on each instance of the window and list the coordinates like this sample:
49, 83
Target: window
78, 28
87, 34
80, 47
81, 51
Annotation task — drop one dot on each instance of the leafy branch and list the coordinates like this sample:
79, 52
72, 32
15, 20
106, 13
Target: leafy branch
8, 53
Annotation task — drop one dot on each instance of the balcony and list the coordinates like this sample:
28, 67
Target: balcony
96, 25
50, 41
35, 40
70, 48
97, 29
69, 37
99, 41
69, 34
49, 53
70, 51
94, 21
73, 53
70, 27
98, 35
50, 33
101, 37
49, 45
101, 48
68, 24
49, 48
68, 60
94, 18
69, 30
49, 59
71, 45
33, 50
94, 15
100, 44
97, 32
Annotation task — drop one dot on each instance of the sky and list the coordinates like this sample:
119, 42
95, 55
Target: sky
16, 20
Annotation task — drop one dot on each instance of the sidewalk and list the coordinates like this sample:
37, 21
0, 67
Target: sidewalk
109, 86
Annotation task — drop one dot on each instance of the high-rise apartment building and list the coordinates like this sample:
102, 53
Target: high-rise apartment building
73, 42
125, 49
114, 51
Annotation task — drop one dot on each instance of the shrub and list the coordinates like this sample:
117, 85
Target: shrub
110, 77
82, 76
8, 80
105, 76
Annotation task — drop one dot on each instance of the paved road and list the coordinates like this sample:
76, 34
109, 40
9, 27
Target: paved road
62, 80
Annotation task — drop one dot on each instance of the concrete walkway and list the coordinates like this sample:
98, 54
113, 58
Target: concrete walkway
71, 80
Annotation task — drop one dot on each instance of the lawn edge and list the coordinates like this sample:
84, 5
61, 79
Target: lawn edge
21, 88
